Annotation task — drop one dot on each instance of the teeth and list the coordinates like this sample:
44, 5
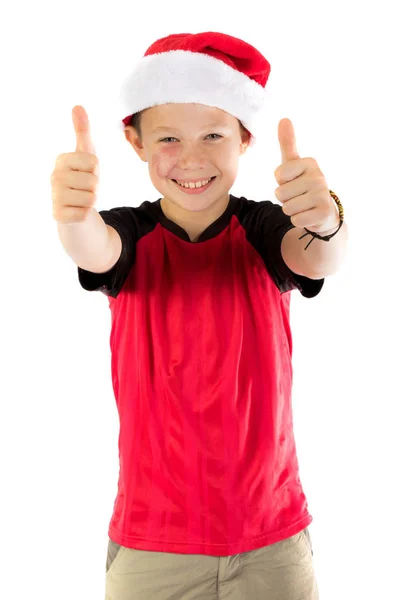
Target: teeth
192, 185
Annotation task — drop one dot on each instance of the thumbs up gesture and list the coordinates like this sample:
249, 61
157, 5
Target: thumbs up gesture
75, 177
302, 186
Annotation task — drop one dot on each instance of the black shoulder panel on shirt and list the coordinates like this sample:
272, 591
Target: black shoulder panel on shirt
132, 223
265, 224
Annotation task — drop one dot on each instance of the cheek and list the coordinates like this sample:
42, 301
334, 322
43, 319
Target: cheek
164, 160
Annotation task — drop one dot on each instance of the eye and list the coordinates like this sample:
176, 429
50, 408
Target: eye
217, 134
167, 138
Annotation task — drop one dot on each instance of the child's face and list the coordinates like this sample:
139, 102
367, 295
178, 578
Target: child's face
187, 142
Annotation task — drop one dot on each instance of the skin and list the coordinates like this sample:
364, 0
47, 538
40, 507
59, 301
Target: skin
186, 149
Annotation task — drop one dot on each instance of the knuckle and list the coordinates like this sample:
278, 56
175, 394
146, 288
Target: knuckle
95, 179
56, 177
91, 181
60, 160
56, 213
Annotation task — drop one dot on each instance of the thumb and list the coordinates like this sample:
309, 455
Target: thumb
287, 140
84, 141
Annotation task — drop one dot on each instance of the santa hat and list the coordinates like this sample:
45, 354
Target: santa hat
209, 68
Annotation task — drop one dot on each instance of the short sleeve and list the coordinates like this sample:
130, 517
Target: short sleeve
123, 220
269, 225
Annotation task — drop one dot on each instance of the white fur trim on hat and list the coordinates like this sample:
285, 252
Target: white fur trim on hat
182, 76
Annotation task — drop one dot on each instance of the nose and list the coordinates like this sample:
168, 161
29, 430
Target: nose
191, 157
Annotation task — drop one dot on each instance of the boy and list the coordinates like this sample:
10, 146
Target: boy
209, 502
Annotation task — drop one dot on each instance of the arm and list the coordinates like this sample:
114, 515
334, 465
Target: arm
92, 245
321, 258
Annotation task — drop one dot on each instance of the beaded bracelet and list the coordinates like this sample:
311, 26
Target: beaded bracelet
326, 238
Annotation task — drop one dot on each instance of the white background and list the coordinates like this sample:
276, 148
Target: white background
335, 74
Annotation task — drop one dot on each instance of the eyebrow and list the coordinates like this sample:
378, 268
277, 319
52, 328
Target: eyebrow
210, 126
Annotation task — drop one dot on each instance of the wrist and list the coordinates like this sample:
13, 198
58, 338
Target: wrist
328, 231
337, 216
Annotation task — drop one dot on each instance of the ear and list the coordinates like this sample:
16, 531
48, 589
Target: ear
135, 141
245, 141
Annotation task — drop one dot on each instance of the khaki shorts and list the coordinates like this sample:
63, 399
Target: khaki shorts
281, 571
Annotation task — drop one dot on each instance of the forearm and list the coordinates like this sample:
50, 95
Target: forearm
324, 258
87, 242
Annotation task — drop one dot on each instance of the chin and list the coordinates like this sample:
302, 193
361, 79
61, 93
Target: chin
195, 205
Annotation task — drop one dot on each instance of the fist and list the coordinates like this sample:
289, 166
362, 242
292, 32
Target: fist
75, 177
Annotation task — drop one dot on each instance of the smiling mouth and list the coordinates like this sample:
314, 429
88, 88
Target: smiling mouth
193, 186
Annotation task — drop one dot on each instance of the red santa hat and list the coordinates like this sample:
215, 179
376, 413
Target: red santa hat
208, 68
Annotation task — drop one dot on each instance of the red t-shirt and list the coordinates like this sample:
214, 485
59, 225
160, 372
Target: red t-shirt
201, 361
